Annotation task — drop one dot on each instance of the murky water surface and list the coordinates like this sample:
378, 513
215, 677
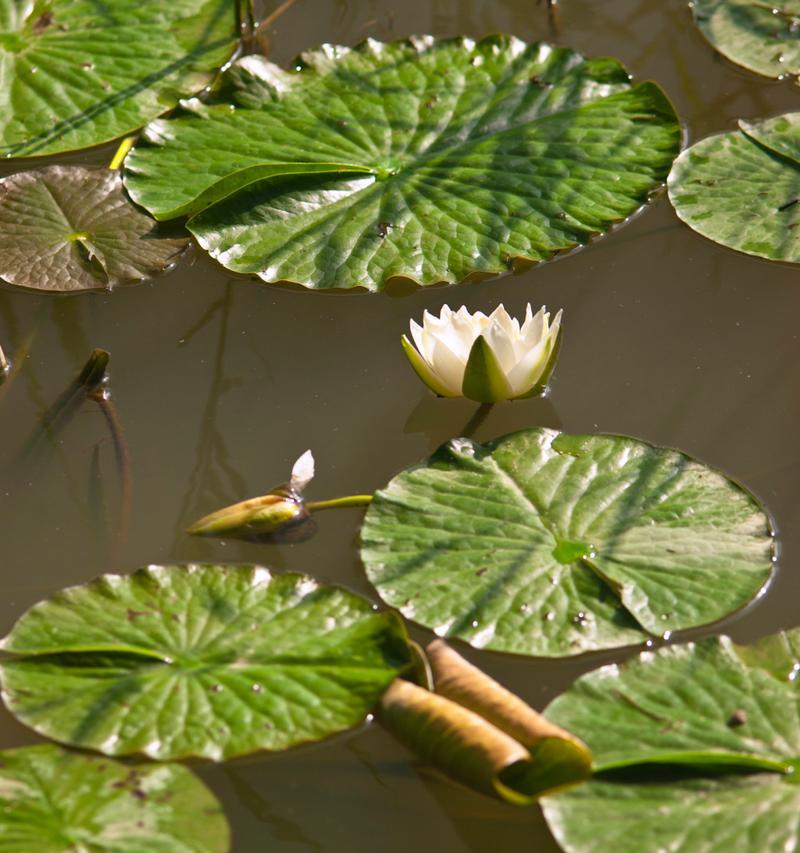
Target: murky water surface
220, 382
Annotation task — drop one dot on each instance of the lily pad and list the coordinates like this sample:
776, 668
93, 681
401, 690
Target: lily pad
54, 801
199, 660
697, 747
70, 228
77, 73
462, 156
761, 36
542, 543
742, 189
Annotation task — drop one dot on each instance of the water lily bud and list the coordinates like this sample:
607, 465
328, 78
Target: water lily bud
280, 513
487, 359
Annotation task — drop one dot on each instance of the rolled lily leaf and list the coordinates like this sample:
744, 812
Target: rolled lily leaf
558, 759
482, 735
453, 739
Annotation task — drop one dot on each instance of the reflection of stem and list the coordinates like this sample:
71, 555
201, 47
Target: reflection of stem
212, 470
12, 368
123, 468
261, 37
340, 503
477, 419
61, 412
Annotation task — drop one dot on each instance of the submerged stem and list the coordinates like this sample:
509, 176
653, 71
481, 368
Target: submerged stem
477, 420
340, 503
123, 469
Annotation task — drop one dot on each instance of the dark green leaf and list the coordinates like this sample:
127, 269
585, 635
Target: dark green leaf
465, 156
742, 189
54, 801
541, 543
690, 725
199, 660
76, 73
70, 228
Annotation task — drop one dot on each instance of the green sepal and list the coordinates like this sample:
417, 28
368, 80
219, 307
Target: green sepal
422, 370
484, 380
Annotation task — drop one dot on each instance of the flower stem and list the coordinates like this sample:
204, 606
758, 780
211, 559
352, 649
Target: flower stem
477, 420
340, 503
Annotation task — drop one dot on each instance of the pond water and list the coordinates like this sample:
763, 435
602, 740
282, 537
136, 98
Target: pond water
220, 382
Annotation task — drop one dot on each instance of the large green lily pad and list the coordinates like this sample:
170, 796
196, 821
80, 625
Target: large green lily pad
710, 736
199, 660
427, 158
70, 228
54, 801
542, 543
762, 36
75, 73
742, 189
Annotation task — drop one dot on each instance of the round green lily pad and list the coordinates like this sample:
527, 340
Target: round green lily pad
427, 158
742, 189
55, 801
76, 73
542, 543
696, 748
200, 660
761, 36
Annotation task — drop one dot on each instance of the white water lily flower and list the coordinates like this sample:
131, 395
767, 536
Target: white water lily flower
487, 359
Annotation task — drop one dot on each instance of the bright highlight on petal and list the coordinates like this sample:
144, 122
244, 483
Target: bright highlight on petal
487, 359
302, 472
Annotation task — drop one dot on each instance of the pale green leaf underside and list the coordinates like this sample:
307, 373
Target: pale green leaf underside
547, 544
741, 189
690, 706
70, 228
54, 801
199, 660
75, 73
762, 36
471, 155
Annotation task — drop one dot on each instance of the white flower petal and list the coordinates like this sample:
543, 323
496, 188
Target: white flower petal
417, 335
302, 472
529, 368
448, 367
501, 345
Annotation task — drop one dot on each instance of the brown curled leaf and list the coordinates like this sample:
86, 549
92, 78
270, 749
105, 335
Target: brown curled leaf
558, 758
453, 739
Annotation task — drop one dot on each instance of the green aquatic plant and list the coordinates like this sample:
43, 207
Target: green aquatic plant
52, 801
696, 749
77, 73
741, 189
759, 35
429, 159
199, 660
543, 543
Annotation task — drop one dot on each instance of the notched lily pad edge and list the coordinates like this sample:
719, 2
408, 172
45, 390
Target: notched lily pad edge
410, 670
651, 642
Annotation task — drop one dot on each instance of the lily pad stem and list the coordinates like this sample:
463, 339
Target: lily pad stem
121, 153
340, 503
